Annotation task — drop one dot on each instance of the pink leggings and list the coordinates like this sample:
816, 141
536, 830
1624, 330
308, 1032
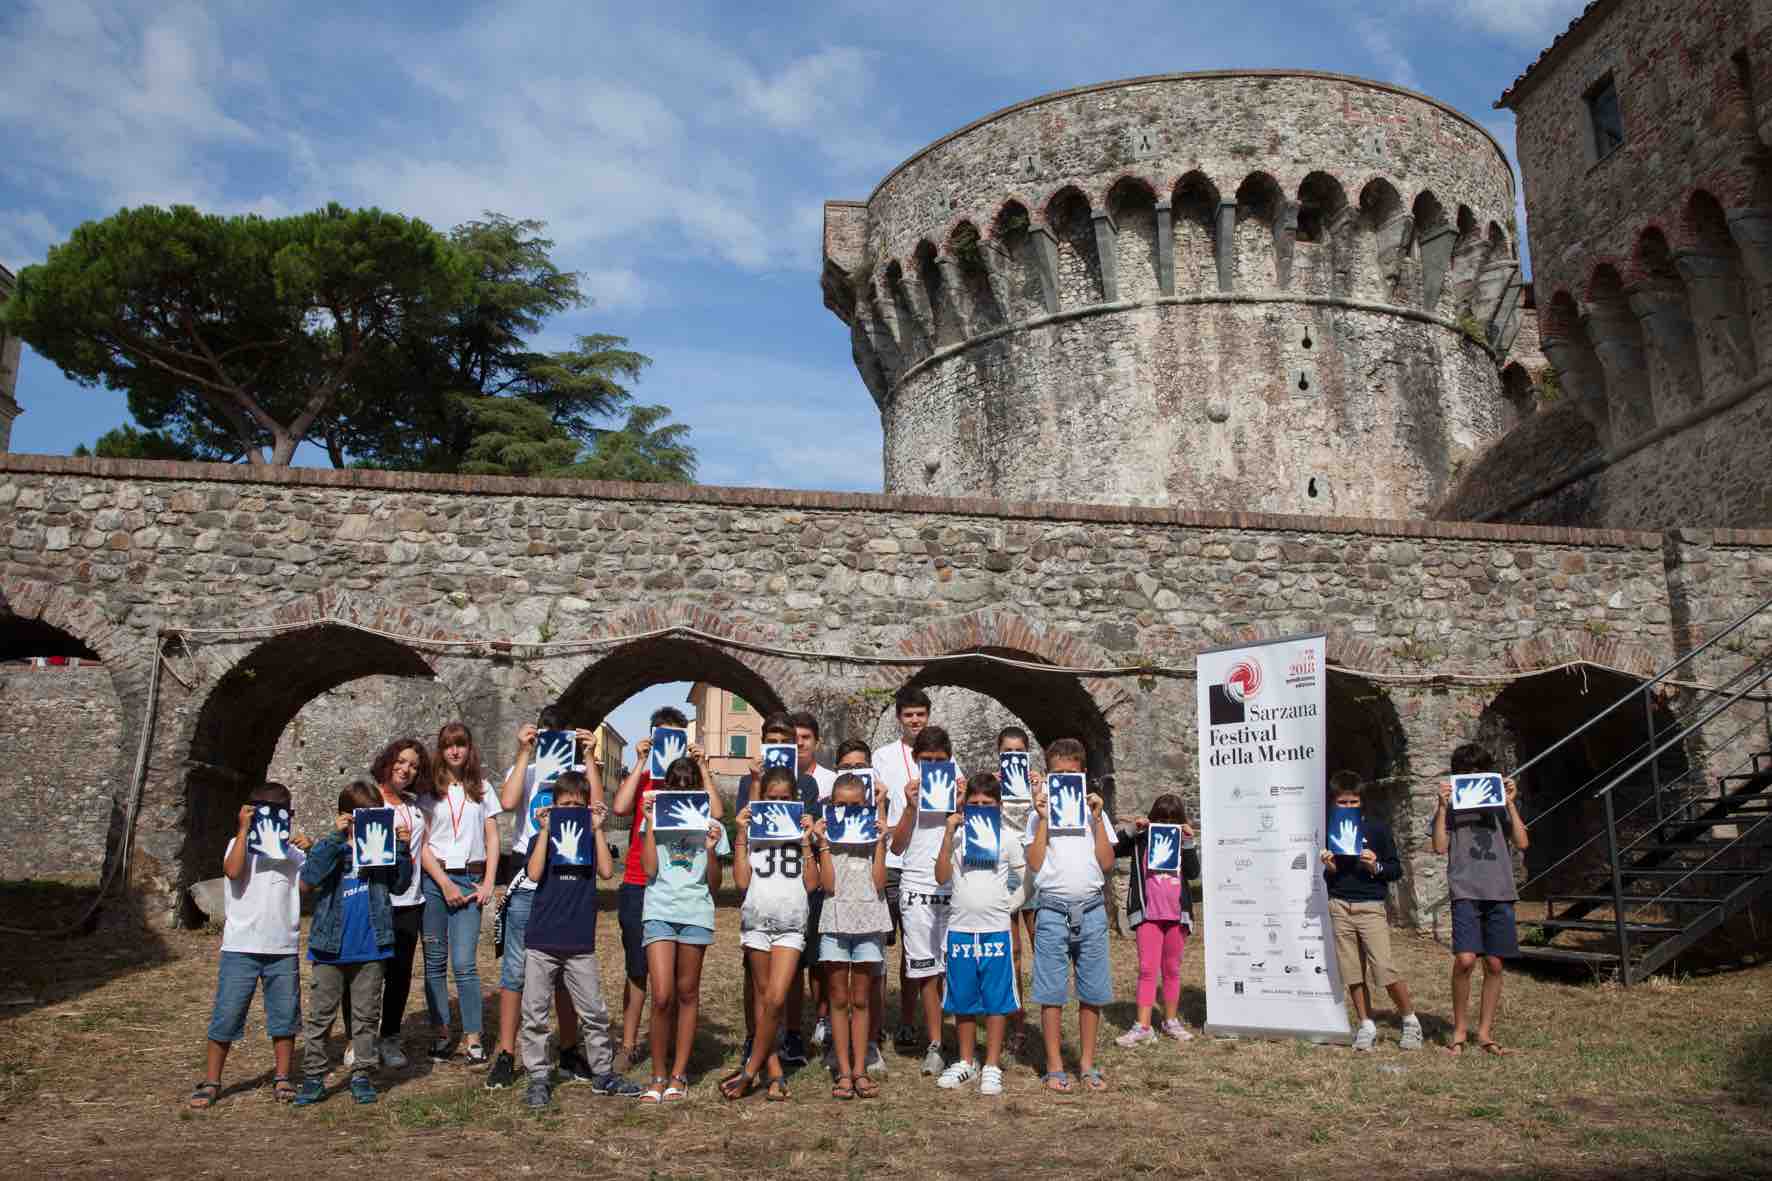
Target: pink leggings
1160, 944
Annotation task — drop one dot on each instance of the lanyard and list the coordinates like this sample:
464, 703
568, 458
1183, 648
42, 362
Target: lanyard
455, 814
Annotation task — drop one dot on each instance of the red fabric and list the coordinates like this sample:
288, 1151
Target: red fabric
635, 873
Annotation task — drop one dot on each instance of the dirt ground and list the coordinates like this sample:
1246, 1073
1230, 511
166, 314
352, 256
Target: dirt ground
101, 1039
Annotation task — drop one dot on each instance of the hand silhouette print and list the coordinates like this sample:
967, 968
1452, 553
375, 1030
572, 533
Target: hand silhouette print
1067, 808
1163, 850
685, 814
1345, 839
270, 839
855, 829
566, 841
780, 825
552, 760
373, 848
981, 834
938, 788
670, 750
1015, 780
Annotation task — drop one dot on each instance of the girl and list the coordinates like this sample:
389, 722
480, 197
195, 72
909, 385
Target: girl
852, 931
1161, 912
401, 766
682, 873
776, 880
460, 863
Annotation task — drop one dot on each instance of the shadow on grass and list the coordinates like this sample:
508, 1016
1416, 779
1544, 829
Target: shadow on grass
48, 968
1750, 1070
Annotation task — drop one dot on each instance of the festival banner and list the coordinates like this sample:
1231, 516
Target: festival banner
1270, 960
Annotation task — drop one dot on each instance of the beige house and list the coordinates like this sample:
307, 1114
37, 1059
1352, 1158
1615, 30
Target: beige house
728, 727
607, 751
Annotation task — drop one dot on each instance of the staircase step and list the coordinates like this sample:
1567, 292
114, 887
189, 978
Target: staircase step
1603, 925
1635, 899
1570, 955
1690, 847
1664, 872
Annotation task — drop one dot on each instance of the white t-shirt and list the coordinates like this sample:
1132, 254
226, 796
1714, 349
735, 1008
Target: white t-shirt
981, 903
262, 908
409, 813
895, 766
775, 901
457, 825
827, 781
523, 830
1070, 872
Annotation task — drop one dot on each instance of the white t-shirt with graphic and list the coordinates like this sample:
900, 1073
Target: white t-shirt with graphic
261, 908
895, 766
409, 813
981, 902
457, 825
1070, 872
775, 901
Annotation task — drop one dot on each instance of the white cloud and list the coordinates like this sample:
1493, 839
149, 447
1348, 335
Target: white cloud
618, 289
802, 94
1375, 35
25, 237
1532, 24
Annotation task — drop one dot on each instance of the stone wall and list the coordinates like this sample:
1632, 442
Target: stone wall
1220, 290
59, 742
273, 588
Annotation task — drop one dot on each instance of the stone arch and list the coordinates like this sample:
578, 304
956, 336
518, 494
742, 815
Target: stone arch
1564, 341
1132, 205
1324, 224
1365, 735
1012, 236
1715, 278
1261, 259
1518, 390
1468, 252
1433, 240
1618, 343
1658, 297
912, 325
76, 615
966, 246
944, 312
1072, 223
1386, 230
1194, 206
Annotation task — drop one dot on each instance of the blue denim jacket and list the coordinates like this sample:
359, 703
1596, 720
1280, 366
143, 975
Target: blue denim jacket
324, 874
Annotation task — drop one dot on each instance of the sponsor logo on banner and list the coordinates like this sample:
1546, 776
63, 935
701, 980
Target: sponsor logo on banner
1229, 700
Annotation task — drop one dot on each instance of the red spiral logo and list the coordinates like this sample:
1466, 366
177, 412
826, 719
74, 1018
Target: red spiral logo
1243, 682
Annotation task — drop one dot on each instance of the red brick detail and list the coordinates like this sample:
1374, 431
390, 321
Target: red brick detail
77, 614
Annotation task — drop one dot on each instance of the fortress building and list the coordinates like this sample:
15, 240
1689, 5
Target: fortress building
1254, 291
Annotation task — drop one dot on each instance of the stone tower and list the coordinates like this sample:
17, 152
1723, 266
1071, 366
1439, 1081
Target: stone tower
10, 349
1256, 290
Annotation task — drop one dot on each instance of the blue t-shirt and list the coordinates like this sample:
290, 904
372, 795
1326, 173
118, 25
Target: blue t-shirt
564, 918
357, 943
678, 892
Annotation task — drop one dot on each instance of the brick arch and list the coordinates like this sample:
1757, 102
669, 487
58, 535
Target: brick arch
1535, 654
1342, 649
68, 609
1124, 182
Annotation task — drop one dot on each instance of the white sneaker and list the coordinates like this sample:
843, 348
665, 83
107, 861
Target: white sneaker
1411, 1039
876, 1064
1367, 1037
392, 1056
350, 1058
933, 1062
959, 1074
990, 1081
821, 1033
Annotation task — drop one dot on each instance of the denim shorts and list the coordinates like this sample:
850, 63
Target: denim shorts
1067, 936
235, 981
510, 972
1486, 928
850, 949
663, 931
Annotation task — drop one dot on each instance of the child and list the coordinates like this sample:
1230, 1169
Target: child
923, 901
1480, 876
980, 974
776, 879
895, 765
824, 778
350, 937
261, 936
1021, 882
561, 946
1160, 910
1357, 889
459, 861
851, 934
1071, 924
682, 873
853, 755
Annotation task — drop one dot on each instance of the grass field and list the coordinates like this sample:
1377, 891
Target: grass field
101, 1039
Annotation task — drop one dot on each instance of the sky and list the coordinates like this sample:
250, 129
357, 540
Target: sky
679, 152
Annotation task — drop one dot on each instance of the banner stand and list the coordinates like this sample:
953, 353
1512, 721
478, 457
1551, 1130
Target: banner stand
1270, 961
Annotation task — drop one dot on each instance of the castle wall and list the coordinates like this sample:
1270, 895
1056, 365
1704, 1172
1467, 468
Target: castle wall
59, 741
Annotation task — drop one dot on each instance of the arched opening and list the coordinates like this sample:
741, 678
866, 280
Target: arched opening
1717, 289
1257, 263
1468, 252
1563, 337
239, 726
1675, 381
1012, 234
913, 330
1133, 205
1618, 343
1386, 232
944, 315
1365, 736
1194, 210
61, 745
1518, 391
967, 248
1079, 263
1323, 266
1431, 249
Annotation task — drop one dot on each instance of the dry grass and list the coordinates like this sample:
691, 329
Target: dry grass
1670, 1079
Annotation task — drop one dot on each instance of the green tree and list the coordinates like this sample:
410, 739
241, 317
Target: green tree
240, 331
126, 442
516, 437
646, 449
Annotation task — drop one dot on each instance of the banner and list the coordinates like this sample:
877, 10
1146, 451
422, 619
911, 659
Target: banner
1270, 958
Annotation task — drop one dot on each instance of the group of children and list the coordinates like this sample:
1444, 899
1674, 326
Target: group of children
811, 905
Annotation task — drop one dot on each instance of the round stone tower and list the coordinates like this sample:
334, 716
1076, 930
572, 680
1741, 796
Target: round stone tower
1256, 290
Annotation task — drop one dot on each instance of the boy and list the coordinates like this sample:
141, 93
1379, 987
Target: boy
1480, 878
779, 728
806, 743
261, 937
561, 947
523, 794
980, 968
351, 934
894, 766
1071, 925
923, 901
1357, 890
1021, 882
630, 800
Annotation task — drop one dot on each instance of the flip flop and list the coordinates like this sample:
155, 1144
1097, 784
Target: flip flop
204, 1096
1456, 1049
866, 1087
1494, 1048
737, 1085
777, 1091
1058, 1081
282, 1090
1094, 1079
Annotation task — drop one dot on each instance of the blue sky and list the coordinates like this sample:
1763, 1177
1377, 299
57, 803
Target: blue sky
680, 152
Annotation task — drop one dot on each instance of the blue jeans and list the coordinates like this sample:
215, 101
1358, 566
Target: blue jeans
236, 980
510, 971
452, 939
1071, 936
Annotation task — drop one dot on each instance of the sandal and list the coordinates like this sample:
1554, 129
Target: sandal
1494, 1048
843, 1088
866, 1087
737, 1085
1094, 1079
1058, 1081
205, 1096
1456, 1048
679, 1088
282, 1089
654, 1092
777, 1091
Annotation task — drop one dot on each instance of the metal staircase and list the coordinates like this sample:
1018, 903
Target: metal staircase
1684, 842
